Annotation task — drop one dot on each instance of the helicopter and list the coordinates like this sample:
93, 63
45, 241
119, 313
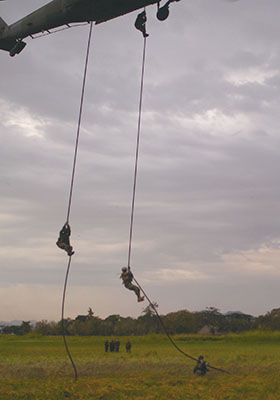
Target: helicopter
58, 13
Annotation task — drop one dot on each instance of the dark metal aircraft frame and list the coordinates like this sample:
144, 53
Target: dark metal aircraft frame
64, 12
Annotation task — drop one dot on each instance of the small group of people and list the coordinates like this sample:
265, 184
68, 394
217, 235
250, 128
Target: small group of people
114, 346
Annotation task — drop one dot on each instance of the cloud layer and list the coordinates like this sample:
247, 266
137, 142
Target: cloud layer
206, 227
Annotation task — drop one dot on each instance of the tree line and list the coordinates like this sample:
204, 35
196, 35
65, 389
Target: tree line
209, 321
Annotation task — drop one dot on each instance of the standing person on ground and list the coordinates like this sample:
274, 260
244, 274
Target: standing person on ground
112, 346
106, 346
128, 346
117, 345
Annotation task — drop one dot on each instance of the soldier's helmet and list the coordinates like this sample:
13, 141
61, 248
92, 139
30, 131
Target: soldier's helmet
200, 357
124, 269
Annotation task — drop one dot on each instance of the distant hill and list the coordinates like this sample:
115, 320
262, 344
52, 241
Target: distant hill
234, 312
239, 314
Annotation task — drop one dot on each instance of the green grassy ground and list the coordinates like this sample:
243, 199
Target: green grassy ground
37, 368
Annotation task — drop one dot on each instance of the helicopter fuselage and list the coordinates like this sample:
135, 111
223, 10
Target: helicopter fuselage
63, 12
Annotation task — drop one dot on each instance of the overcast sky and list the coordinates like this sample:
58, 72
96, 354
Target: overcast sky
207, 217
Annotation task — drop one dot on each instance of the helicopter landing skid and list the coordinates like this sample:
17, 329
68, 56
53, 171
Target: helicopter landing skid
18, 47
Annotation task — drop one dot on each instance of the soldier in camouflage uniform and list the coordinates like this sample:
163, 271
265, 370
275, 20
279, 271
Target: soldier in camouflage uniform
127, 278
63, 242
140, 23
201, 367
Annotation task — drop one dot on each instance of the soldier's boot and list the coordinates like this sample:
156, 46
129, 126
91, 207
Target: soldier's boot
70, 251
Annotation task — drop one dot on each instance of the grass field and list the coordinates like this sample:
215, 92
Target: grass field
37, 368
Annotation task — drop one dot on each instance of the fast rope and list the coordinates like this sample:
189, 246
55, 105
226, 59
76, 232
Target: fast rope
137, 152
70, 198
133, 202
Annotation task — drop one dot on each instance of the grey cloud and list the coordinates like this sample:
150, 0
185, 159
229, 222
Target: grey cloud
207, 188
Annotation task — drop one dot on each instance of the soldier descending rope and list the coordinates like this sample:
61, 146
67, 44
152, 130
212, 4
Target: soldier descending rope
140, 23
127, 278
63, 242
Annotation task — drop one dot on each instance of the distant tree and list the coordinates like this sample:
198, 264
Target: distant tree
25, 327
270, 320
90, 312
110, 324
66, 325
150, 309
237, 325
11, 330
85, 318
125, 327
107, 328
81, 318
113, 318
85, 326
213, 319
213, 310
239, 322
46, 328
180, 322
148, 323
22, 329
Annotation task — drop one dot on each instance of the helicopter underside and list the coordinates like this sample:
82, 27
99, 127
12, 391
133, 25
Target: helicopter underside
63, 12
